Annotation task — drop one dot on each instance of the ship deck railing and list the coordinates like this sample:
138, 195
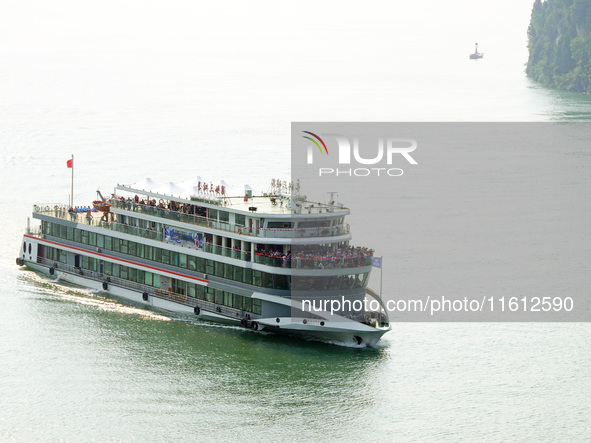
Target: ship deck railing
315, 263
329, 231
141, 288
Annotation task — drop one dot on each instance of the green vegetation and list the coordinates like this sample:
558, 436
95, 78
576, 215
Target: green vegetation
560, 44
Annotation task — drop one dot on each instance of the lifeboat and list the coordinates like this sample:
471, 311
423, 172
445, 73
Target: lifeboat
101, 206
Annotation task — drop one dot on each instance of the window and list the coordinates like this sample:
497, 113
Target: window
201, 264
219, 297
148, 278
209, 294
239, 219
179, 286
314, 224
100, 240
237, 301
280, 225
182, 260
267, 280
247, 276
224, 216
281, 281
174, 258
256, 306
257, 279
209, 266
247, 304
192, 263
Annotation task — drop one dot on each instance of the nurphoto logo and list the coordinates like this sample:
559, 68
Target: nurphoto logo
351, 153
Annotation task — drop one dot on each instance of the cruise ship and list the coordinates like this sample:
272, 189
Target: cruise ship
272, 262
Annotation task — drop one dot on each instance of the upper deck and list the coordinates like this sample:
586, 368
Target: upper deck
272, 204
267, 216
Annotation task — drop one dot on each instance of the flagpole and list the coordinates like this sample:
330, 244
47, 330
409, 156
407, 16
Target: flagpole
381, 271
72, 202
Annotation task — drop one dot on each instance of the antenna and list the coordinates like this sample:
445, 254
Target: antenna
331, 201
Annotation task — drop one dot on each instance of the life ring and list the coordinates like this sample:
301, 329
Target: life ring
18, 261
161, 201
254, 325
47, 208
51, 271
239, 231
105, 285
35, 208
145, 296
196, 310
56, 207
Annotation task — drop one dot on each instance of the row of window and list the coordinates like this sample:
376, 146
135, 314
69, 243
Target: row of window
201, 292
203, 265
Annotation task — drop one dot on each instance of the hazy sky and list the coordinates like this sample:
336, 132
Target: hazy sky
320, 60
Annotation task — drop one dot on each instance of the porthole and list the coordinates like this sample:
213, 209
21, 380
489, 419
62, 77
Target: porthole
29, 248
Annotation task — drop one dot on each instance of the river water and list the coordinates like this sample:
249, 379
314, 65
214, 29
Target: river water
139, 90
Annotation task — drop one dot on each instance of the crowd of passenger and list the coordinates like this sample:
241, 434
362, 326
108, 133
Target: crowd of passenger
74, 211
184, 208
318, 258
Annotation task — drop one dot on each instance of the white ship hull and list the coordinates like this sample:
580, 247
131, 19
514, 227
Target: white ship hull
346, 332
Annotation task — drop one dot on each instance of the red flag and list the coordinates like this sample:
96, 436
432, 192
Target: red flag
69, 163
